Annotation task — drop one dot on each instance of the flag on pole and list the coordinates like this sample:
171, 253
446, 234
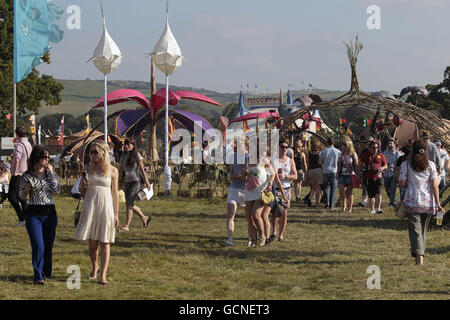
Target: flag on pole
61, 132
116, 128
245, 126
34, 29
88, 125
171, 129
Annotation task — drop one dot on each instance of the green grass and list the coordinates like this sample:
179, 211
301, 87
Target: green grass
180, 256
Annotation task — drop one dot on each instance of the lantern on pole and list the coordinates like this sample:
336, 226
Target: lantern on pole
106, 58
167, 58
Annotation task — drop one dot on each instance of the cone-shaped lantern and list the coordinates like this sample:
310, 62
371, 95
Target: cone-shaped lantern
107, 55
166, 53
106, 58
167, 57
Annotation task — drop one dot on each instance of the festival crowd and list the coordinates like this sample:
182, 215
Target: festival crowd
262, 184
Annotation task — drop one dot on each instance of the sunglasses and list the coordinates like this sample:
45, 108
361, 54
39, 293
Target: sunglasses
93, 152
45, 157
284, 147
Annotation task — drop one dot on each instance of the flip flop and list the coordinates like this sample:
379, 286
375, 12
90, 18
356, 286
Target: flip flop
147, 222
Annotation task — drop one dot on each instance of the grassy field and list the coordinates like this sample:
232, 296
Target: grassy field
325, 255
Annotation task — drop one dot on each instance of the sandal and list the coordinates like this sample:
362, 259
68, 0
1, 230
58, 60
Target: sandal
125, 229
147, 222
103, 283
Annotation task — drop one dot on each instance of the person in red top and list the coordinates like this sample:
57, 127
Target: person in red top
375, 163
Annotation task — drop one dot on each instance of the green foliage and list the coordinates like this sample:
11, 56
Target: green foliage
31, 91
438, 99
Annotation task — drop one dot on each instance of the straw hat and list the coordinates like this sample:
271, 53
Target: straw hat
425, 135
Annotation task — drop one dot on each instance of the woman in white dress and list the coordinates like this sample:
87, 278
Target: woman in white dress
100, 215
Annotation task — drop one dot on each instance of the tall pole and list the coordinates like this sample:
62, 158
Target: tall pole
166, 137
105, 115
15, 108
167, 173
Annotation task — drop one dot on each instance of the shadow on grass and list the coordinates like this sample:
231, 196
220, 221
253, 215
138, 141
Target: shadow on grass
10, 254
190, 215
189, 244
440, 250
388, 224
427, 292
28, 279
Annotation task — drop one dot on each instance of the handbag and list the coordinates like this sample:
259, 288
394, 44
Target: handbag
77, 214
399, 206
267, 197
278, 207
356, 182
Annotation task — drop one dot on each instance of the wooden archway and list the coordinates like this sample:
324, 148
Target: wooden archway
356, 97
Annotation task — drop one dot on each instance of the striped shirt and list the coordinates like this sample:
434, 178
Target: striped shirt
41, 189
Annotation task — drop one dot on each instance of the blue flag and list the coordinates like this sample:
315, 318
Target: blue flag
34, 29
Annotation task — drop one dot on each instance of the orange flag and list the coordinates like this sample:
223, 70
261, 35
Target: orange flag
245, 126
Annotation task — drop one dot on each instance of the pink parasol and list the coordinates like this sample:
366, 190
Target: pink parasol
123, 95
157, 100
257, 115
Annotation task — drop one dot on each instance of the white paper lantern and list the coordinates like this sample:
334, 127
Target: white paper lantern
166, 53
107, 55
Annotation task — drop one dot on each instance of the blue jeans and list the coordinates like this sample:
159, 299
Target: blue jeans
330, 184
41, 230
390, 185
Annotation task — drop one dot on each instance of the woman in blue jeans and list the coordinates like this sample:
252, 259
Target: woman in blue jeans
38, 184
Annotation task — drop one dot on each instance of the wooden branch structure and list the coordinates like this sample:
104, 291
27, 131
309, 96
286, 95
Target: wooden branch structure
356, 97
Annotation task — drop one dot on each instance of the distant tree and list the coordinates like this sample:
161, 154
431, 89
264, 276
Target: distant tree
31, 91
438, 99
52, 122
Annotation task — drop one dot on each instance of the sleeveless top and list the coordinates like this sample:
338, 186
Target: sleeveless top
298, 161
284, 168
314, 161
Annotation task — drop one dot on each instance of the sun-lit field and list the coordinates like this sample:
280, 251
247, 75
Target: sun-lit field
325, 255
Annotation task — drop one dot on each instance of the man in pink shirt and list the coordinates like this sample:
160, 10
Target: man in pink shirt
19, 165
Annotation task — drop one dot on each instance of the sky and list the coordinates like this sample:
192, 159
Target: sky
278, 44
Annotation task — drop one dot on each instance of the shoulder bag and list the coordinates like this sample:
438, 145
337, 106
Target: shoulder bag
399, 207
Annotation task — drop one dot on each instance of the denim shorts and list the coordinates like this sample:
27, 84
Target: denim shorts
345, 180
131, 191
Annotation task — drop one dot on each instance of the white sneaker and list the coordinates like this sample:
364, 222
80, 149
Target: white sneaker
1, 205
21, 224
372, 212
